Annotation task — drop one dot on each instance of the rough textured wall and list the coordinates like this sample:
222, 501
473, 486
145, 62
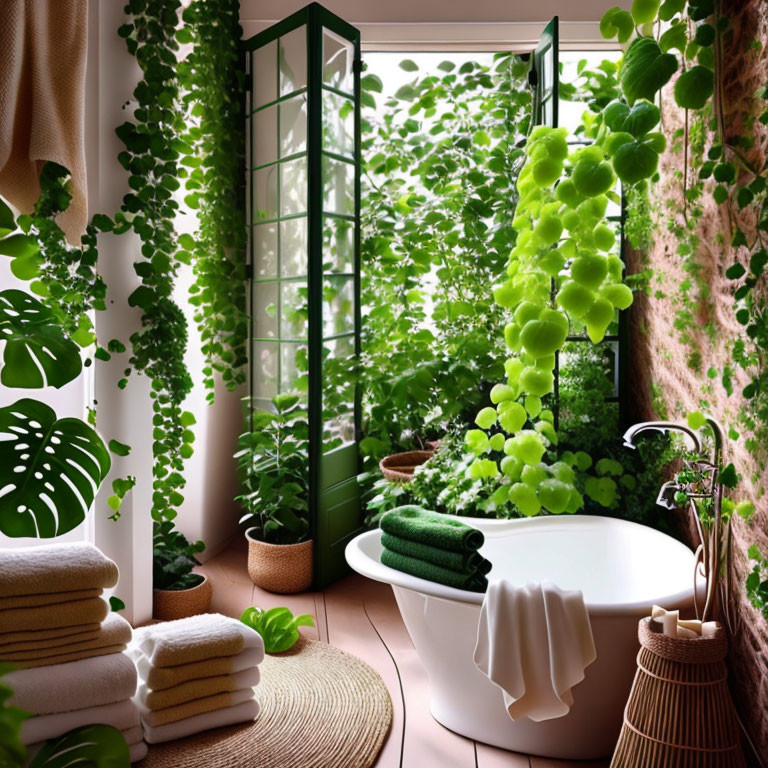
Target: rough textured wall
663, 379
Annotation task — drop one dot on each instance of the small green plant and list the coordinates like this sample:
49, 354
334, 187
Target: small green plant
173, 559
278, 628
272, 463
13, 753
757, 581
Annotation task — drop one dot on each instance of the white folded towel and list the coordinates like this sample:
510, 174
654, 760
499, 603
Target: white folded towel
190, 709
73, 685
122, 714
159, 678
534, 643
197, 638
138, 751
133, 737
240, 713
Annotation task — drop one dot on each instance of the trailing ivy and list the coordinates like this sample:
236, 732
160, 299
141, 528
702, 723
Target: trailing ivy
151, 157
212, 81
65, 277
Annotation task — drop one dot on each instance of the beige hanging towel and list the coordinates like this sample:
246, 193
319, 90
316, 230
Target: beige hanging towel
42, 102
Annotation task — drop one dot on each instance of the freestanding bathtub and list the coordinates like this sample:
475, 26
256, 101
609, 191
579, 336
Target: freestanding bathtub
622, 568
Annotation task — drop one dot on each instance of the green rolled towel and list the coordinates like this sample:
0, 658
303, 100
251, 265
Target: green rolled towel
472, 582
416, 524
461, 562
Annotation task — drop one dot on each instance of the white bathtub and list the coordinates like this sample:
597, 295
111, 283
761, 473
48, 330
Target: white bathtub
622, 569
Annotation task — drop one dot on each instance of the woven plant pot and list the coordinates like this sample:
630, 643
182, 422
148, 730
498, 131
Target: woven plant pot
281, 568
679, 712
399, 467
170, 604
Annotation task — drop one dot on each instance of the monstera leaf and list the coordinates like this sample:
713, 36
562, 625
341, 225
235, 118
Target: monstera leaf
37, 353
95, 746
50, 470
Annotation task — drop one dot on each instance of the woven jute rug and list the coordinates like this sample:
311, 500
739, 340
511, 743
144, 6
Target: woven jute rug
320, 708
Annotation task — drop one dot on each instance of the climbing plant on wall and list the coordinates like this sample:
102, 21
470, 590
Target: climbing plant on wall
212, 82
438, 201
153, 148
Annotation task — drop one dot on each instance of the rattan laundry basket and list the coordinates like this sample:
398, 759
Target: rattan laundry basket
679, 713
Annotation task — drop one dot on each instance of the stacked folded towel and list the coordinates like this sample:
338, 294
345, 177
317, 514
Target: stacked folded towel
195, 674
434, 547
57, 631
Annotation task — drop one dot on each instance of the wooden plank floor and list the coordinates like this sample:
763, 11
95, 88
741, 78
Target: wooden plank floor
360, 616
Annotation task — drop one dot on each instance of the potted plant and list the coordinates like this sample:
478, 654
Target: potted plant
272, 462
178, 592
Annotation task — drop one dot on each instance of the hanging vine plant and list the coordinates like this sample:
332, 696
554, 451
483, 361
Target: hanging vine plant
151, 157
212, 82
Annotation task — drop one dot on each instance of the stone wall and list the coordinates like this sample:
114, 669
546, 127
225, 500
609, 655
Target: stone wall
662, 378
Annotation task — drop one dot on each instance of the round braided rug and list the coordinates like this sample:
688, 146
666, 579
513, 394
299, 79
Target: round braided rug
320, 708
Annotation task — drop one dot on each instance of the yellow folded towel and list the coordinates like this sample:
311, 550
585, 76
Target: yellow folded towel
196, 707
113, 637
63, 658
37, 636
115, 630
159, 678
197, 689
49, 598
70, 614
54, 568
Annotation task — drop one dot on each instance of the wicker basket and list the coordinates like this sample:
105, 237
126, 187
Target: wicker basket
170, 604
281, 568
399, 467
679, 713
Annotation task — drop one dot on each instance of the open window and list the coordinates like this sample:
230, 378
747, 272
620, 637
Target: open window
304, 182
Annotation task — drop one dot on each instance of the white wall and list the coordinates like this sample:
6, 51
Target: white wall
479, 25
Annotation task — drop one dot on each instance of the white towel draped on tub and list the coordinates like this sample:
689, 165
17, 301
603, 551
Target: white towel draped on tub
534, 643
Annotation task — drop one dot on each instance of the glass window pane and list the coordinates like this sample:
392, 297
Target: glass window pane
293, 367
293, 190
338, 124
264, 310
338, 186
265, 250
264, 69
265, 193
338, 392
338, 245
338, 306
338, 55
264, 136
264, 355
294, 312
293, 125
293, 247
293, 61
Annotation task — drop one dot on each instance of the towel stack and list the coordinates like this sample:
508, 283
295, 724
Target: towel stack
434, 547
56, 629
195, 674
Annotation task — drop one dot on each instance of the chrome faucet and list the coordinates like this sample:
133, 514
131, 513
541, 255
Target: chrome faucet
712, 536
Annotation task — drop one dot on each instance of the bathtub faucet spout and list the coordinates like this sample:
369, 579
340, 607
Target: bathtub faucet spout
661, 426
